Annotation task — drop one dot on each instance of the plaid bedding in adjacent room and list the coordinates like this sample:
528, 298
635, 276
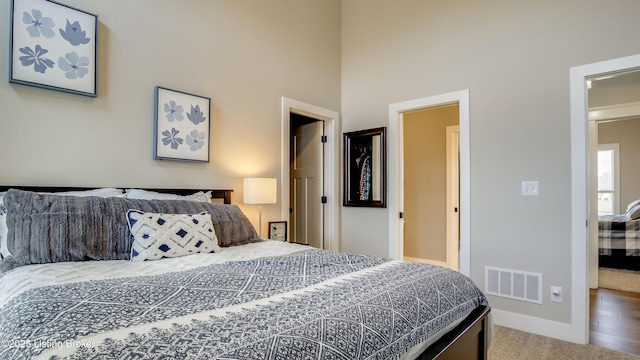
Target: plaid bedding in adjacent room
616, 233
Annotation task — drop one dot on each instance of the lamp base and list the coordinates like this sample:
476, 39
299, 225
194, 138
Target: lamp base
260, 222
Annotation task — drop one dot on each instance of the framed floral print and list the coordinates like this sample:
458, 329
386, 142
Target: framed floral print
181, 126
53, 46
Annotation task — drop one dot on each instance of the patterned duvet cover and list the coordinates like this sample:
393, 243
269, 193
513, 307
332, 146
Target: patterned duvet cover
282, 301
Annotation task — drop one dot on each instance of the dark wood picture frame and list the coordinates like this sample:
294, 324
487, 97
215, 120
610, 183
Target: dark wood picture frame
365, 168
278, 230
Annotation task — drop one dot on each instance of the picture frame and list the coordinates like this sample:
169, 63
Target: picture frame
278, 230
365, 168
53, 46
181, 125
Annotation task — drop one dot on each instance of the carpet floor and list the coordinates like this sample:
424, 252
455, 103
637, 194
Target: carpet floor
510, 344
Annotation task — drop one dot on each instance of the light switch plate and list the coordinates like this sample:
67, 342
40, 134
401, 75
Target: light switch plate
530, 188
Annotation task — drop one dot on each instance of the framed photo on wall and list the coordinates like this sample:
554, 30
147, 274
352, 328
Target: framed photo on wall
278, 230
53, 46
181, 126
365, 168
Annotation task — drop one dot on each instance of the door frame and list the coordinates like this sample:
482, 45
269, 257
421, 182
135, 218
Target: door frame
579, 327
395, 169
331, 185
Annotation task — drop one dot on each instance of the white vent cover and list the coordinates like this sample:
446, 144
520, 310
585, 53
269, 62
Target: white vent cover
513, 284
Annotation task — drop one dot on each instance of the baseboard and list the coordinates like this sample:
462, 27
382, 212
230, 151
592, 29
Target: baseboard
530, 324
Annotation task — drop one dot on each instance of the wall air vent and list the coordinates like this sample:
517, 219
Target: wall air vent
513, 284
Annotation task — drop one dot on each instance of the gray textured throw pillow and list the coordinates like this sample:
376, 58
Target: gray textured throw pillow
45, 228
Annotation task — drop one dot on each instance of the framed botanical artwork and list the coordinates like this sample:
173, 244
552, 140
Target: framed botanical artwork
278, 230
181, 126
365, 168
53, 46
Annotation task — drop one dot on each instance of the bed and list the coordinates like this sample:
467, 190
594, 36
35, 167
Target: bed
69, 291
619, 242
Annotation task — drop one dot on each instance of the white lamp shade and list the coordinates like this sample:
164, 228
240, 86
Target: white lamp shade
260, 190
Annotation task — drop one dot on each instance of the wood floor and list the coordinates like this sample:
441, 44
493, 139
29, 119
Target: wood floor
615, 320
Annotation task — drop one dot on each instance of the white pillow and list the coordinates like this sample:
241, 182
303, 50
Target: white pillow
170, 235
102, 192
632, 205
153, 195
634, 213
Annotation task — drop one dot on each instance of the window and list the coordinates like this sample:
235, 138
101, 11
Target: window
608, 183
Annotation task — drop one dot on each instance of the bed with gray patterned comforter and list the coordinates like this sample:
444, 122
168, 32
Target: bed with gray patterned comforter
305, 304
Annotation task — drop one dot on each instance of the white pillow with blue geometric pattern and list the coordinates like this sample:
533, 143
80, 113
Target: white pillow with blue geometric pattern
157, 236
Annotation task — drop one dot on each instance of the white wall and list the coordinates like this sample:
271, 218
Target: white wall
514, 57
245, 55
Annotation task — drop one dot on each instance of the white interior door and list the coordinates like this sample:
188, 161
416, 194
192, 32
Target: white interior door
453, 196
306, 184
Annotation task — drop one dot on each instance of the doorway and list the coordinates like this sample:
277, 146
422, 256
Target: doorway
395, 172
578, 330
306, 186
611, 127
330, 179
431, 185
614, 123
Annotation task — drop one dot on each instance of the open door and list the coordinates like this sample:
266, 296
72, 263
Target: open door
296, 113
306, 182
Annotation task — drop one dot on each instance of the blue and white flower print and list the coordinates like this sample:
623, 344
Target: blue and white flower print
35, 58
174, 112
38, 24
53, 46
74, 34
172, 138
73, 65
196, 115
195, 140
182, 124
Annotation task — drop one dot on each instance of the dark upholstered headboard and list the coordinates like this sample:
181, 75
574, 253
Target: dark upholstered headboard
215, 194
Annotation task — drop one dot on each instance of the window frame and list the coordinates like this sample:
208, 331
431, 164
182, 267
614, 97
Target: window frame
615, 148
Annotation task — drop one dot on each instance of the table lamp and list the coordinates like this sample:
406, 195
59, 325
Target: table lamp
260, 191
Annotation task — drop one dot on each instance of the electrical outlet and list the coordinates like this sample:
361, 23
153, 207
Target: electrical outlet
556, 294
